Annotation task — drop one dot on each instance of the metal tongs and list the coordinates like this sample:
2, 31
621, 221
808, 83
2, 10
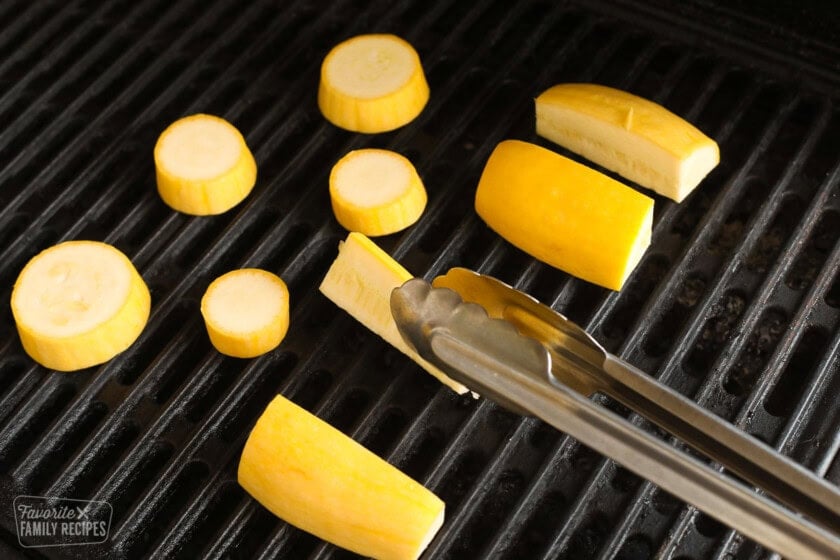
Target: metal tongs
508, 347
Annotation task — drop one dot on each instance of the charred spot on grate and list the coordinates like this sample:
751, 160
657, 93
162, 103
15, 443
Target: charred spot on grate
796, 377
537, 530
664, 331
820, 243
774, 238
588, 539
716, 332
502, 495
633, 297
761, 343
731, 231
461, 477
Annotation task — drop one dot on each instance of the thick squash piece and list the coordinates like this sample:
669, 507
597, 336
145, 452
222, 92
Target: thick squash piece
316, 478
78, 304
203, 165
564, 213
376, 192
632, 136
372, 83
360, 281
246, 312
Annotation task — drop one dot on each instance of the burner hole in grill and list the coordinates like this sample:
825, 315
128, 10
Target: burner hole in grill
637, 547
584, 459
624, 481
315, 386
500, 419
460, 478
632, 298
774, 237
352, 404
424, 453
708, 526
717, 331
663, 333
761, 343
665, 503
791, 384
386, 430
585, 299
731, 231
175, 498
538, 531
494, 507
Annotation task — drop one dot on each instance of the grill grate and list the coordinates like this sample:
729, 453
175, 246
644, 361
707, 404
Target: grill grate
736, 304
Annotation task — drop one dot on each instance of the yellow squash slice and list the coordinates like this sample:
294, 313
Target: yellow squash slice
632, 136
203, 166
372, 83
78, 304
246, 312
564, 213
376, 192
360, 281
316, 478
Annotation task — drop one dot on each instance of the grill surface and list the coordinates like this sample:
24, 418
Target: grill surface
737, 302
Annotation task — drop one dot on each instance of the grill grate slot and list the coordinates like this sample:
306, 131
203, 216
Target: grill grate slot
735, 304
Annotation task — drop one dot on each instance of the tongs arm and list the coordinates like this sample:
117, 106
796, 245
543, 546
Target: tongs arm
740, 453
662, 464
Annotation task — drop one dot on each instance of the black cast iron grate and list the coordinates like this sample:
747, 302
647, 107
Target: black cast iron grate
737, 302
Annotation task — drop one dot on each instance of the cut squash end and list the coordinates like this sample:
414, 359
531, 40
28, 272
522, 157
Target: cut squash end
246, 312
634, 137
372, 83
376, 192
203, 166
319, 480
360, 281
78, 304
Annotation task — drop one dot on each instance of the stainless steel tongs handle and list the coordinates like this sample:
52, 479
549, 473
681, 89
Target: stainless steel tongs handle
491, 357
